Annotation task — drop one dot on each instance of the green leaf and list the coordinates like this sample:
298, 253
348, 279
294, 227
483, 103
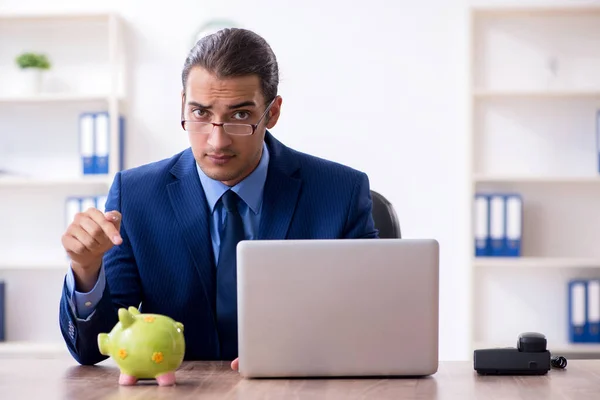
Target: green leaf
33, 60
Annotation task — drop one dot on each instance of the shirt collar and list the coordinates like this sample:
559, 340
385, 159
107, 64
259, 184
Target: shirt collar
250, 189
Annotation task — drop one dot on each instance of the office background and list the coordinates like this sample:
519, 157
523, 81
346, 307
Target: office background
382, 86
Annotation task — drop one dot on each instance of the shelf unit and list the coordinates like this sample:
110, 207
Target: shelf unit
533, 98
40, 163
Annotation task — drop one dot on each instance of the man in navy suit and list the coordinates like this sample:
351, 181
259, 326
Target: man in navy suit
166, 243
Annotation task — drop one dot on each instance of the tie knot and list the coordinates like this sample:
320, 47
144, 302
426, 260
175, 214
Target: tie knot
230, 200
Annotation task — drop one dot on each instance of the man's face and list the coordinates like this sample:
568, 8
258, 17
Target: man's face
221, 156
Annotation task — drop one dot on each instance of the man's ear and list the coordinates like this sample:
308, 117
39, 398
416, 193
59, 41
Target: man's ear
274, 112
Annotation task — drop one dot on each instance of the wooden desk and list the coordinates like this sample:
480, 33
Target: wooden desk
62, 378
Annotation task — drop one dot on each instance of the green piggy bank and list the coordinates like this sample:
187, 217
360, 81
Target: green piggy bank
144, 346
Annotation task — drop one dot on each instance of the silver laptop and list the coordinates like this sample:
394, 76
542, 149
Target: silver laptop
336, 308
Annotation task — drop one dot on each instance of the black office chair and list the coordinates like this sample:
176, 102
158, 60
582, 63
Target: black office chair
384, 215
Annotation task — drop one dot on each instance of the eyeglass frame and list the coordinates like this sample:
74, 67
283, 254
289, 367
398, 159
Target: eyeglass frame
222, 124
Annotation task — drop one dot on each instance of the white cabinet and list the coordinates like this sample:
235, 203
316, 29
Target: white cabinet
535, 98
40, 161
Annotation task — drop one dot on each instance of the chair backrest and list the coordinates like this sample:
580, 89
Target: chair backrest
384, 215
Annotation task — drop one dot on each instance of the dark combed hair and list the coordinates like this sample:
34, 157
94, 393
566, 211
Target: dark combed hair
234, 52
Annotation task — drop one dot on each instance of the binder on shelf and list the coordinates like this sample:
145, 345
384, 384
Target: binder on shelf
86, 142
2, 311
102, 143
72, 207
593, 311
514, 224
497, 225
577, 315
101, 203
87, 203
482, 225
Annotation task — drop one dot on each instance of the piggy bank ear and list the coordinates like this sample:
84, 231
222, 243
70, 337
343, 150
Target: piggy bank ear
125, 318
133, 310
179, 326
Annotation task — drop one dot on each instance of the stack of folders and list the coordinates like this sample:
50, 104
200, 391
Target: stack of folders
94, 141
584, 311
2, 311
498, 224
76, 205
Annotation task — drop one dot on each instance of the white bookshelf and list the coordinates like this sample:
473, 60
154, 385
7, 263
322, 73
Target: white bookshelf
40, 163
534, 97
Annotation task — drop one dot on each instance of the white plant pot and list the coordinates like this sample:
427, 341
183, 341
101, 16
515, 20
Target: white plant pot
31, 81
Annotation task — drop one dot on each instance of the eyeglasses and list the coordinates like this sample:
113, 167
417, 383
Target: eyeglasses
206, 128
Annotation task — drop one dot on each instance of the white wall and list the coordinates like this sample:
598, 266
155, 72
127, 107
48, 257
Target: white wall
380, 86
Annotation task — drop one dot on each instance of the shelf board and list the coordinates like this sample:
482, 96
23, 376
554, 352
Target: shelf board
17, 181
533, 10
53, 98
25, 348
58, 17
555, 349
490, 94
535, 262
23, 265
479, 178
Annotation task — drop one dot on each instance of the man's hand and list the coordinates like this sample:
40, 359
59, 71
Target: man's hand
235, 364
90, 235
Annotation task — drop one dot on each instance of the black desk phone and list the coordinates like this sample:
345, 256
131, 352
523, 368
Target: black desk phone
530, 357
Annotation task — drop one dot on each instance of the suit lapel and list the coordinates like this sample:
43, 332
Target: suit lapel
192, 213
280, 194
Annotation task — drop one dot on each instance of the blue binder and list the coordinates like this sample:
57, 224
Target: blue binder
72, 207
497, 225
2, 311
482, 225
577, 315
101, 202
86, 143
593, 311
102, 142
514, 224
102, 146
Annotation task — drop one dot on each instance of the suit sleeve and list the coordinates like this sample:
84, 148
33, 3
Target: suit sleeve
360, 224
122, 289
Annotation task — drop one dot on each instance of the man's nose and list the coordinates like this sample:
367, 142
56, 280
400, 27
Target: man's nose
218, 138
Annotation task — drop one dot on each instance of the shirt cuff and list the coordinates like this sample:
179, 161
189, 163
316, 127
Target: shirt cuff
85, 303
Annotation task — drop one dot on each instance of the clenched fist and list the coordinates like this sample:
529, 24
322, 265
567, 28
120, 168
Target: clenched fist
90, 235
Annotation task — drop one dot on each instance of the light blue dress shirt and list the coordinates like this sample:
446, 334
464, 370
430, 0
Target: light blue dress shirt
250, 191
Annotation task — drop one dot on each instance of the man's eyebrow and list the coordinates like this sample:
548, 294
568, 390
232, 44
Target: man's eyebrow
248, 103
196, 104
242, 104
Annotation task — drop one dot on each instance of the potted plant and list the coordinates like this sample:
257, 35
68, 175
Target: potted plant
32, 65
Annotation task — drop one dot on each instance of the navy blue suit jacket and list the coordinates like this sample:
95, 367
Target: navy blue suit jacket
166, 263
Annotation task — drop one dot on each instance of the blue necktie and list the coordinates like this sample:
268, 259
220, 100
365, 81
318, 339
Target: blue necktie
232, 233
